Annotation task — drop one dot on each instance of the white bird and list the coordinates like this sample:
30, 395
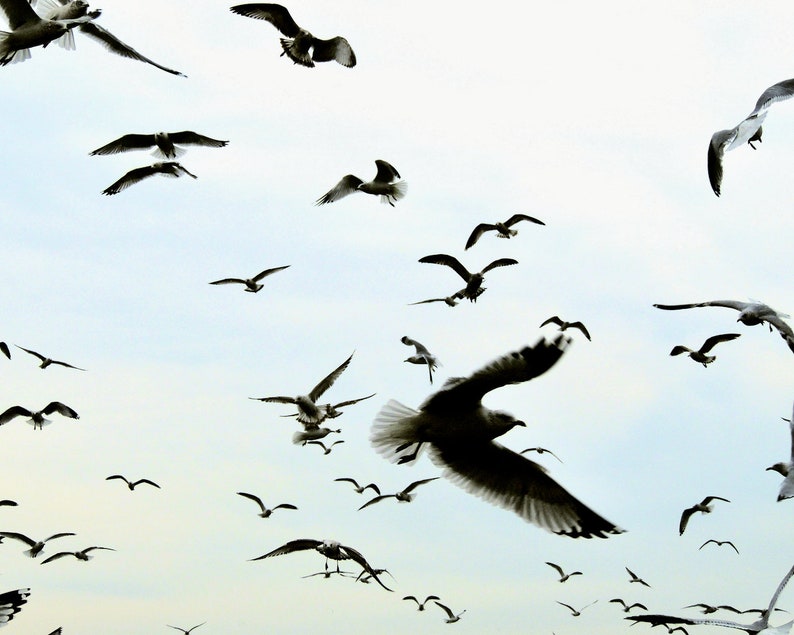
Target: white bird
747, 131
171, 169
403, 496
564, 326
360, 489
80, 555
382, 185
252, 285
46, 361
576, 612
503, 229
37, 419
130, 484
704, 507
36, 546
460, 433
420, 606
422, 356
265, 512
11, 603
451, 617
473, 281
164, 143
786, 468
700, 355
186, 631
299, 45
564, 577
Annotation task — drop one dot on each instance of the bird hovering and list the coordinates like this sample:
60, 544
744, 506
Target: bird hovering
564, 577
503, 229
786, 468
403, 496
171, 169
359, 489
422, 356
11, 603
252, 285
420, 606
451, 617
382, 185
164, 143
46, 361
635, 578
188, 630
299, 45
700, 355
36, 546
459, 432
719, 543
564, 326
80, 555
37, 419
703, 507
131, 485
575, 612
473, 281
747, 131
265, 512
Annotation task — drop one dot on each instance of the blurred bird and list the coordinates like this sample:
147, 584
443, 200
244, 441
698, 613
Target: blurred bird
708, 609
700, 354
628, 607
46, 361
171, 169
564, 577
5, 350
332, 411
635, 578
703, 507
37, 419
131, 485
186, 631
36, 546
403, 496
359, 488
541, 451
326, 449
8, 503
504, 229
574, 612
252, 285
420, 606
747, 131
382, 185
299, 45
460, 433
786, 468
564, 326
451, 300
423, 356
164, 143
719, 543
265, 513
80, 555
451, 617
473, 281
11, 603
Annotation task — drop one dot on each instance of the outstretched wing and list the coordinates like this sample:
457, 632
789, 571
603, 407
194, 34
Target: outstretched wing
188, 137
716, 339
301, 544
11, 602
501, 262
337, 48
229, 281
126, 143
267, 272
730, 304
346, 186
479, 231
14, 411
62, 409
277, 15
386, 172
519, 217
449, 261
328, 381
131, 178
254, 498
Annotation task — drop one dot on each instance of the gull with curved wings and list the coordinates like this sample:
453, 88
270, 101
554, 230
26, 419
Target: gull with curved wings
47, 361
700, 355
460, 433
422, 356
299, 45
719, 543
265, 512
786, 468
326, 448
627, 607
80, 555
503, 229
186, 631
541, 451
576, 612
11, 603
450, 300
473, 281
360, 489
131, 484
420, 606
564, 326
382, 185
164, 143
704, 507
36, 546
564, 577
37, 418
451, 617
403, 496
633, 577
171, 169
747, 131
252, 285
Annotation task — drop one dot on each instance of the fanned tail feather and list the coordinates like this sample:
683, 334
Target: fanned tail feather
178, 152
393, 430
396, 192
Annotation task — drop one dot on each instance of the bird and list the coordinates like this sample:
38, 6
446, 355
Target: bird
700, 354
164, 143
759, 627
628, 607
131, 485
708, 609
541, 451
786, 468
5, 350
703, 506
382, 185
188, 630
252, 285
503, 229
11, 603
747, 131
750, 314
312, 433
171, 169
8, 503
359, 488
719, 543
450, 300
573, 611
422, 356
420, 606
564, 326
46, 361
460, 433
36, 546
265, 513
328, 573
37, 419
564, 577
332, 411
451, 617
633, 577
473, 281
330, 549
403, 496
326, 449
299, 45
80, 555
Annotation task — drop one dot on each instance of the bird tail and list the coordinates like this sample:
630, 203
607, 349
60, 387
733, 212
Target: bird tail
178, 152
9, 55
396, 192
296, 55
394, 430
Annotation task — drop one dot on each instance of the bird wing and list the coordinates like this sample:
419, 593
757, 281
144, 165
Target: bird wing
87, 549
117, 476
284, 506
708, 499
254, 498
125, 143
420, 348
716, 339
678, 350
777, 92
267, 272
685, 515
147, 481
59, 535
131, 178
449, 261
58, 363
329, 380
720, 140
510, 480
375, 500
21, 537
277, 15
56, 556
337, 48
115, 45
347, 479
350, 402
11, 602
5, 350
477, 232
346, 186
34, 353
519, 217
301, 544
12, 412
560, 571
386, 172
501, 262
188, 137
451, 615
275, 399
554, 319
730, 304
416, 484
18, 13
229, 281
62, 409
776, 595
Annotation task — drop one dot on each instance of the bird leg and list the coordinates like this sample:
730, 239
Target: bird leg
409, 457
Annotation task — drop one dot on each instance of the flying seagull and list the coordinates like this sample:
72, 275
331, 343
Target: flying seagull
450, 300
171, 169
703, 507
460, 433
252, 285
326, 449
541, 451
564, 326
564, 577
265, 513
36, 546
164, 143
451, 617
420, 606
382, 185
422, 356
188, 630
574, 612
403, 496
131, 485
359, 488
627, 607
473, 281
700, 355
719, 543
635, 578
330, 549
299, 45
37, 418
46, 361
11, 603
708, 609
786, 468
80, 555
503, 229
747, 131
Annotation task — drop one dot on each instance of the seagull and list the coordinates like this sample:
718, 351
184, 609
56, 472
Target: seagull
251, 284
541, 451
80, 555
366, 578
46, 361
747, 131
473, 281
37, 418
708, 609
326, 449
460, 433
700, 354
11, 603
332, 411
423, 356
382, 185
164, 143
299, 45
759, 627
330, 549
186, 631
636, 578
5, 350
503, 229
450, 300
719, 543
328, 573
451, 617
786, 469
265, 513
171, 169
574, 612
403, 496
703, 507
130, 484
628, 607
359, 488
750, 314
311, 433
36, 546
563, 576
420, 606
564, 326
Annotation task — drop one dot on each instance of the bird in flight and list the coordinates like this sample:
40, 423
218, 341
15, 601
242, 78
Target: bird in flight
80, 555
451, 617
186, 631
473, 281
36, 546
451, 300
299, 45
403, 496
422, 356
252, 285
564, 326
700, 355
719, 543
704, 507
564, 577
460, 434
575, 612
326, 448
420, 606
46, 361
265, 512
171, 169
786, 468
628, 607
633, 577
164, 143
503, 229
130, 484
359, 488
37, 418
382, 185
541, 451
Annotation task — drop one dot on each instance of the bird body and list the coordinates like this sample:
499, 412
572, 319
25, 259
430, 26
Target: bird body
786, 468
503, 229
37, 418
171, 169
164, 143
700, 355
382, 185
252, 285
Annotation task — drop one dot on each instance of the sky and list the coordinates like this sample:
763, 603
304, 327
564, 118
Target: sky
594, 118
